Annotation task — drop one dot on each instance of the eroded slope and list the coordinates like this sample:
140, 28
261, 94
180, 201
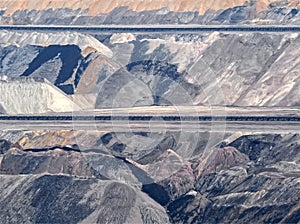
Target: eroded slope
148, 12
245, 178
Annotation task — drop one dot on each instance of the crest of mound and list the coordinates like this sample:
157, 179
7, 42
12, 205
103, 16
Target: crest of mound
57, 161
165, 165
219, 159
85, 42
56, 198
32, 95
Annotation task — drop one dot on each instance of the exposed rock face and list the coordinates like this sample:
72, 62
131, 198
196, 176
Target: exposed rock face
4, 146
255, 177
147, 177
246, 191
98, 69
209, 69
249, 69
88, 173
52, 162
66, 199
100, 6
61, 58
83, 41
219, 159
287, 70
149, 12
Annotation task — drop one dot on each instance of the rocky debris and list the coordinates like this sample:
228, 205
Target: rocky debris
120, 38
235, 207
251, 177
97, 69
116, 168
61, 58
181, 210
171, 177
2, 110
148, 148
143, 148
178, 183
258, 196
44, 39
67, 199
232, 67
269, 148
163, 165
219, 159
20, 57
245, 191
176, 69
33, 95
4, 146
56, 161
287, 89
122, 89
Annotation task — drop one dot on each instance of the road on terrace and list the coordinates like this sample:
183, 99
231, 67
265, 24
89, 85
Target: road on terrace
154, 123
152, 28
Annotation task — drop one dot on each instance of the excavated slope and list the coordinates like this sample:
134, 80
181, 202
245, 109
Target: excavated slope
102, 7
85, 42
245, 179
28, 96
249, 69
67, 199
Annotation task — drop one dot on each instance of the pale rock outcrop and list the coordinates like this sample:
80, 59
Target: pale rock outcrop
28, 96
